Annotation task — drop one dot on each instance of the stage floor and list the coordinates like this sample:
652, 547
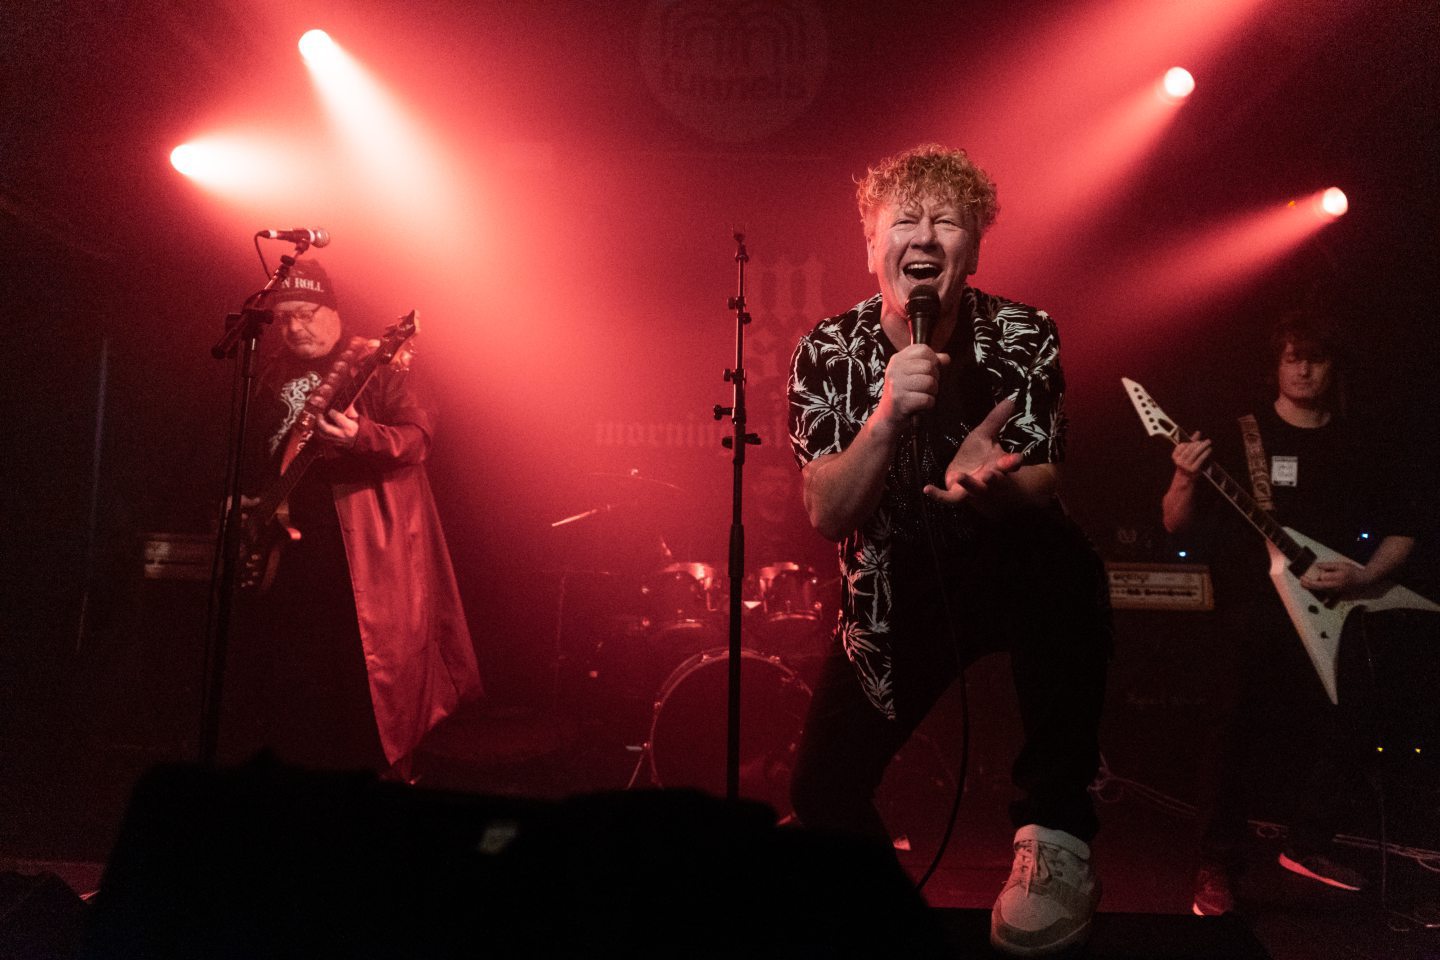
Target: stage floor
61, 810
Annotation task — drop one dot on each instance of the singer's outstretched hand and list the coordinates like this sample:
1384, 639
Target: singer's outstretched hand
980, 469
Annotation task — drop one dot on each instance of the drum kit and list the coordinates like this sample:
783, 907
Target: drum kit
642, 654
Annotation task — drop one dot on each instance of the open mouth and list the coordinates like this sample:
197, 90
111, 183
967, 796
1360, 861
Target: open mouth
921, 272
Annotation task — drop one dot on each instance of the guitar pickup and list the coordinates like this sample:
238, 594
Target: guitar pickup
1302, 562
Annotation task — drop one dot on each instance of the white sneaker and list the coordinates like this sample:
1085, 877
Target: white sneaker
1050, 898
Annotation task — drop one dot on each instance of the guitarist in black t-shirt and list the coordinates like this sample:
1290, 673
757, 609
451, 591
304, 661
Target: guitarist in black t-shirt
1317, 474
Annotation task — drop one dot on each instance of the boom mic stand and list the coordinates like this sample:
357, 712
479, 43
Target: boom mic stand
240, 340
736, 443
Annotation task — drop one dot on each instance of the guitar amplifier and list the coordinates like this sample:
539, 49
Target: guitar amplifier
1160, 586
178, 556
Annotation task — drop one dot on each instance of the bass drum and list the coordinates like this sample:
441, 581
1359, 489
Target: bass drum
688, 742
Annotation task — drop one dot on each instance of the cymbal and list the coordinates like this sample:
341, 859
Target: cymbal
632, 483
607, 491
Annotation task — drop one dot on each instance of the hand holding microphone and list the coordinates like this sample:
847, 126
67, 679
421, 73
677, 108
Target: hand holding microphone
912, 377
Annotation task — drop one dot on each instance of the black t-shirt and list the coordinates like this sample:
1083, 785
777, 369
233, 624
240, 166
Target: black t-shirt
282, 390
1334, 484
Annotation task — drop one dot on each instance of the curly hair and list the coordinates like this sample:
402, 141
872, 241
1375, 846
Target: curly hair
924, 171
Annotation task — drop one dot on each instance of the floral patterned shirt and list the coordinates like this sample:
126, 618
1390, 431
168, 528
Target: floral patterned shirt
837, 377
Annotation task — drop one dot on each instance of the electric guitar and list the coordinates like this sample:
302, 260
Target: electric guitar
1318, 618
266, 526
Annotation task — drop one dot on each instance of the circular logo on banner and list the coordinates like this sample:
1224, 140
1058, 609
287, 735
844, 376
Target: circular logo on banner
734, 70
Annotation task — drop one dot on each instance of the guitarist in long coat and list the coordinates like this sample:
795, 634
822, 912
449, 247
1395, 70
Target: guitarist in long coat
360, 645
1318, 473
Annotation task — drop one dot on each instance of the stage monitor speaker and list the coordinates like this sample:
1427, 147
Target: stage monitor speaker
271, 861
1126, 936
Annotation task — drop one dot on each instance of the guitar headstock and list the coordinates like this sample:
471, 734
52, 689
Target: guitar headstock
395, 336
1157, 424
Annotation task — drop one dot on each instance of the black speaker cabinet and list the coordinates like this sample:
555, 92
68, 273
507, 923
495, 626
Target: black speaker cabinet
270, 861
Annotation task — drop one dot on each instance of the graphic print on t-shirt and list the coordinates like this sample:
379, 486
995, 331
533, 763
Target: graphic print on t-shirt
293, 394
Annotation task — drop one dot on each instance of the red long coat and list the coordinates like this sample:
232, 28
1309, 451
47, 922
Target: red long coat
418, 652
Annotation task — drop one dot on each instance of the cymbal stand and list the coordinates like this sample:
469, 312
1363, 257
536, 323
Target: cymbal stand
240, 340
736, 443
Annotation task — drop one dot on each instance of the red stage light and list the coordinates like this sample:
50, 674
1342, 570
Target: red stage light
1176, 85
1223, 257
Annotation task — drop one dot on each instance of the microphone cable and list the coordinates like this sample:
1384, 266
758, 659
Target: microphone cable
952, 629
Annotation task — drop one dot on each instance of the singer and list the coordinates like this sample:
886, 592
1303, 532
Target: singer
360, 646
933, 461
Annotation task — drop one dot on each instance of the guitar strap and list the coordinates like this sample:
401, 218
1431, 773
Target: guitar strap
1255, 457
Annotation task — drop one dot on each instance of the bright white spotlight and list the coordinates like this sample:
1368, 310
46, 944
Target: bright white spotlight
210, 161
318, 49
1177, 84
188, 159
233, 163
1334, 203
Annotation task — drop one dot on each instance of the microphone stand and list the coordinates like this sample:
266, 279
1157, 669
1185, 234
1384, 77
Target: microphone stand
240, 340
737, 444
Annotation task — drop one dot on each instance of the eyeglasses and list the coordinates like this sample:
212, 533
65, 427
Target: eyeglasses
306, 316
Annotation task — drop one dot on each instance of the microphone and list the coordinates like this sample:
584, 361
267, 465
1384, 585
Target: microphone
315, 238
923, 309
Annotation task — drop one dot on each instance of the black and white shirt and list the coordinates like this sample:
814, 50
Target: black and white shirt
1000, 349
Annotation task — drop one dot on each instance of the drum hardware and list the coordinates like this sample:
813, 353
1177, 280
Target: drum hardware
684, 591
619, 524
623, 636
616, 638
687, 743
794, 610
612, 491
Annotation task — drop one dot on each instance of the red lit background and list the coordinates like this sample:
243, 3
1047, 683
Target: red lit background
555, 186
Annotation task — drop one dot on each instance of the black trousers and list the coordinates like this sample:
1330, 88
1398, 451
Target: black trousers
1059, 637
1275, 715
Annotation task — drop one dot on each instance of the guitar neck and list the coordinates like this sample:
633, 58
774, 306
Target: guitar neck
279, 491
1258, 517
364, 370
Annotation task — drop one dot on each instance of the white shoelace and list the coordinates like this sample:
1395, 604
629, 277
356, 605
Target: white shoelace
1035, 862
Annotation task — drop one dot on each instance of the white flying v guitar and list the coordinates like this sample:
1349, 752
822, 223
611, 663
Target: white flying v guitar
1317, 618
